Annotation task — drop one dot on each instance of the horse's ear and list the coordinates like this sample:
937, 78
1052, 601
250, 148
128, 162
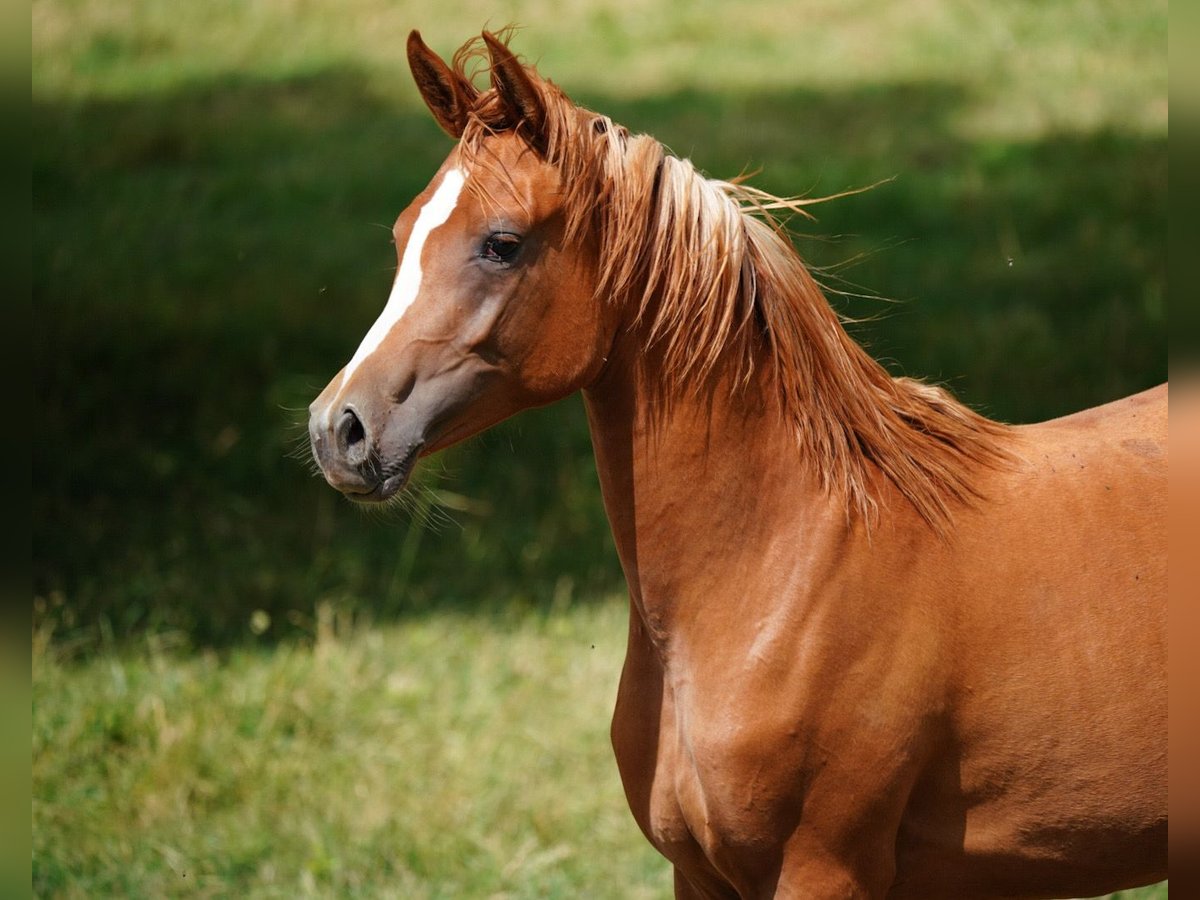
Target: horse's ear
522, 98
447, 95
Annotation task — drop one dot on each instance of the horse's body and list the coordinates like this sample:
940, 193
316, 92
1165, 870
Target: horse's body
841, 713
878, 645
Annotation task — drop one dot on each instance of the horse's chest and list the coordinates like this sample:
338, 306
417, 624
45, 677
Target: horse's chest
661, 785
675, 820
667, 798
689, 793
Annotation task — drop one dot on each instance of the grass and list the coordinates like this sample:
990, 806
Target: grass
431, 759
213, 183
454, 755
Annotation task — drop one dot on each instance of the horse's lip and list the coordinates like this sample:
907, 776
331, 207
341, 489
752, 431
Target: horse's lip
392, 484
385, 490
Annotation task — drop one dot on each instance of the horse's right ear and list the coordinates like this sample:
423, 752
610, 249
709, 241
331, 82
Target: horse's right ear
447, 96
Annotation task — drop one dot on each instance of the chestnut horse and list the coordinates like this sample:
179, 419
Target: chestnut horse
879, 646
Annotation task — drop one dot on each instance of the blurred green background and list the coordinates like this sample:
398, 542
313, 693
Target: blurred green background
213, 187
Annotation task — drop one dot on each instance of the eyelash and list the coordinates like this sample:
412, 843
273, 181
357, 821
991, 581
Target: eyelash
500, 248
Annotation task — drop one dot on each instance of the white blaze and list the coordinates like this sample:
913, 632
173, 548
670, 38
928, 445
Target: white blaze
408, 277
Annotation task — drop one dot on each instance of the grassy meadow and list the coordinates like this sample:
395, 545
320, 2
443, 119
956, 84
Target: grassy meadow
458, 756
244, 686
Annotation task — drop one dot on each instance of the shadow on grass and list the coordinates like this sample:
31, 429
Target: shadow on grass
205, 260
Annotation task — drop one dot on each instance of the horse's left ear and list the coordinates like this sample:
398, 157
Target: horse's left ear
522, 98
446, 94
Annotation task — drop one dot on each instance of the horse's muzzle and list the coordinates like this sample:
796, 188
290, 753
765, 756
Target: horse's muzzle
341, 447
367, 440
368, 457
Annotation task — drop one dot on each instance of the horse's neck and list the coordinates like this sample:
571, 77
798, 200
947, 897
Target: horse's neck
696, 485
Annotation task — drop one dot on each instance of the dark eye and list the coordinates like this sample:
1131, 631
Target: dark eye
500, 247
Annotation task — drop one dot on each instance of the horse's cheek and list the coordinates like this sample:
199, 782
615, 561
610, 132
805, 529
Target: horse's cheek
560, 351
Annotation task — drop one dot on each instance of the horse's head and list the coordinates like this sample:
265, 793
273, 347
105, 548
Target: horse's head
492, 309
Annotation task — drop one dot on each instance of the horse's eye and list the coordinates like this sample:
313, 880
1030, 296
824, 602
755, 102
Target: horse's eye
501, 247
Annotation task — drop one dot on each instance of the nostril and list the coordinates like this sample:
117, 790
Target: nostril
352, 437
355, 434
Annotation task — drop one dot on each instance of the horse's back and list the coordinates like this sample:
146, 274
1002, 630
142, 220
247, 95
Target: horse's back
1097, 481
1138, 421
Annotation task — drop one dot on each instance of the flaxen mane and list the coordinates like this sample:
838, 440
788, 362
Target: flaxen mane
712, 273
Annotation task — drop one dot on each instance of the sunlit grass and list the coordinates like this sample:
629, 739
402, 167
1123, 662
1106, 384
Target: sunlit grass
449, 756
454, 755
1101, 58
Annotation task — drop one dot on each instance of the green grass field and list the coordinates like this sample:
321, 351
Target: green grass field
213, 186
456, 755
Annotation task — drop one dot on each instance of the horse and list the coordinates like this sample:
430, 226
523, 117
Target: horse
879, 645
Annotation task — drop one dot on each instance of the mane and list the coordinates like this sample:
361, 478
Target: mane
713, 277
